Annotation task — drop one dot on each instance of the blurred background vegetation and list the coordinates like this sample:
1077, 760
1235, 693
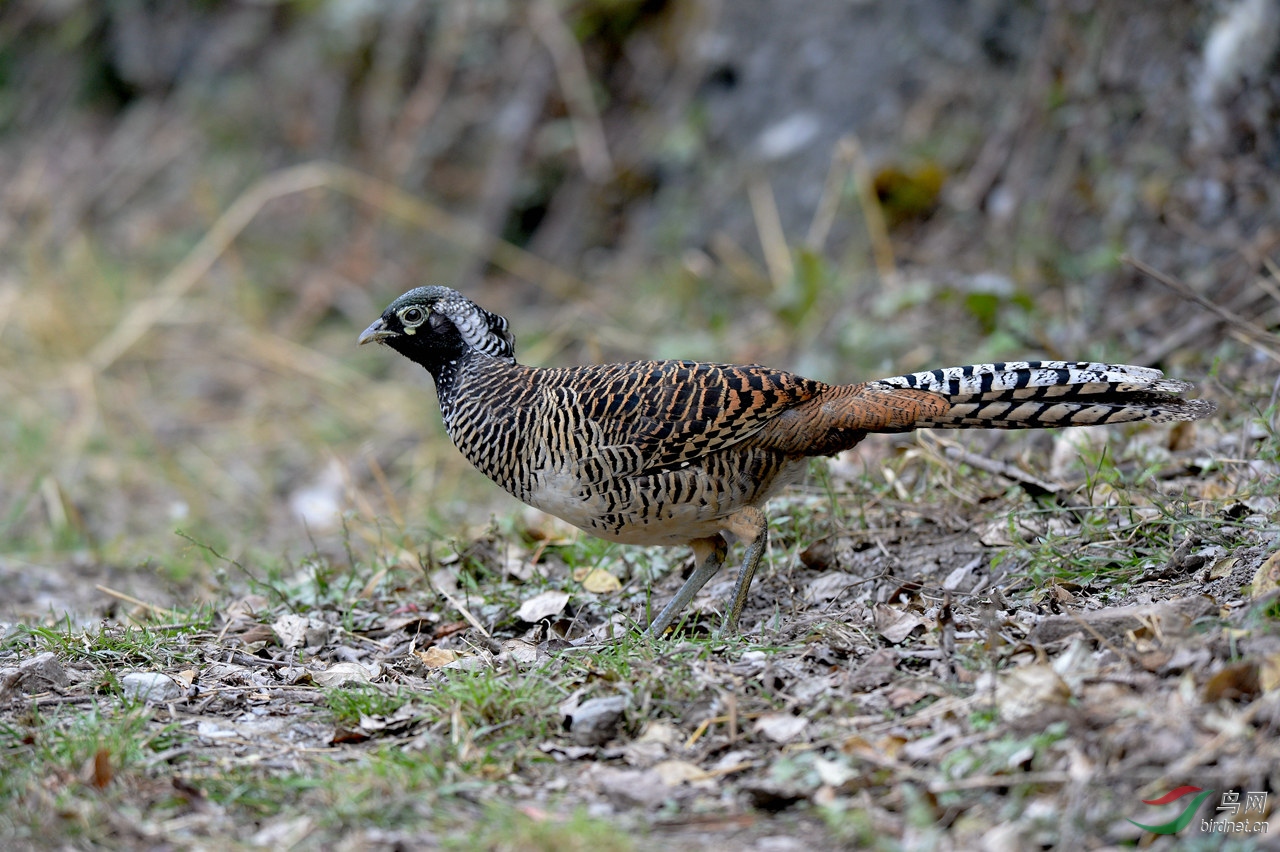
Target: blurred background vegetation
203, 203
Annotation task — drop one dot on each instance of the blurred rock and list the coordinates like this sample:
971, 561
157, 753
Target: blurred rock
151, 687
594, 722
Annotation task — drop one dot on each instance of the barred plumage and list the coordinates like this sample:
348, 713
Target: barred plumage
681, 452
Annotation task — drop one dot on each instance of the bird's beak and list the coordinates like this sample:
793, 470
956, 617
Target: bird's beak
375, 333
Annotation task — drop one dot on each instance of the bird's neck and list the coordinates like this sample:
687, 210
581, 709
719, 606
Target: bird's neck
462, 374
448, 375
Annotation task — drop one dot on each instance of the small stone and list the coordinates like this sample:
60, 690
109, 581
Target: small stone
41, 673
595, 722
151, 687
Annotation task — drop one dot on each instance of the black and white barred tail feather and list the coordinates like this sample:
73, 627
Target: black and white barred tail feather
1037, 394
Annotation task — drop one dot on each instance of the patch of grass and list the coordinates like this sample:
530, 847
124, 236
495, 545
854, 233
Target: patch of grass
504, 828
63, 768
1115, 544
854, 827
118, 646
423, 790
1003, 754
348, 705
493, 699
386, 787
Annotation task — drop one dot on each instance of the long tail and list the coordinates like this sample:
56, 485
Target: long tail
1035, 394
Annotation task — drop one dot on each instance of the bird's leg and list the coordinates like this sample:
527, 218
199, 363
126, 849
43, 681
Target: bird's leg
751, 526
709, 554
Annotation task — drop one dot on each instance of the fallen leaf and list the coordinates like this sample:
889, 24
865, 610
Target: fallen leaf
343, 736
542, 606
895, 624
995, 534
548, 529
435, 657
372, 724
660, 732
419, 623
520, 651
1236, 682
292, 630
676, 772
344, 674
887, 747
1024, 691
781, 727
834, 773
904, 696
1267, 578
253, 635
1222, 568
829, 586
876, 670
102, 772
601, 582
467, 662
1269, 673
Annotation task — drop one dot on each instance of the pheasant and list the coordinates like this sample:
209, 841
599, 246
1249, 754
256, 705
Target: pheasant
683, 452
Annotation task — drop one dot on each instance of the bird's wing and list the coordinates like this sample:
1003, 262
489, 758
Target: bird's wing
664, 415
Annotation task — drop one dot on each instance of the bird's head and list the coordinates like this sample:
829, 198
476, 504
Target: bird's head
435, 325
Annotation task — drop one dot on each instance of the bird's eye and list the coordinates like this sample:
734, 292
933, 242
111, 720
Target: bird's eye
412, 316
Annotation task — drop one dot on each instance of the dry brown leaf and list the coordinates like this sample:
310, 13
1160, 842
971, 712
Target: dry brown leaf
1267, 578
102, 771
253, 635
1269, 673
904, 696
434, 657
414, 622
663, 733
1215, 490
676, 772
1236, 682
